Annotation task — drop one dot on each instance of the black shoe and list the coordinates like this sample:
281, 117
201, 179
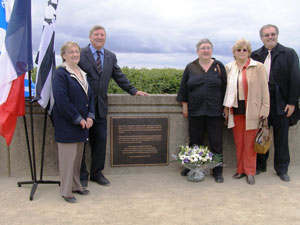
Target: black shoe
84, 183
238, 175
101, 180
250, 179
284, 177
219, 178
185, 172
70, 199
258, 171
84, 192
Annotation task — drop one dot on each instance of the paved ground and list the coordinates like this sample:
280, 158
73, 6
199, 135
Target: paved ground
158, 198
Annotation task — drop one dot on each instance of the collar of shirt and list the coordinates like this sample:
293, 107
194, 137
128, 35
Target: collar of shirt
94, 53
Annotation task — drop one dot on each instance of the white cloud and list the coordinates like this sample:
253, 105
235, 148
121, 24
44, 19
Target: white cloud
163, 33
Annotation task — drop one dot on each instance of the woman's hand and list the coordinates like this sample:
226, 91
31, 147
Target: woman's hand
83, 124
185, 109
89, 123
225, 113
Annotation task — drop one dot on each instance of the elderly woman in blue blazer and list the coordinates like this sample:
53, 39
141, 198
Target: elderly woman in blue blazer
73, 115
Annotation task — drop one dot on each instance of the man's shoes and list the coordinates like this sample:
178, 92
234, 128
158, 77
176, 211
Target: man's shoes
70, 199
101, 180
219, 178
84, 183
238, 175
185, 172
258, 171
250, 179
284, 177
84, 192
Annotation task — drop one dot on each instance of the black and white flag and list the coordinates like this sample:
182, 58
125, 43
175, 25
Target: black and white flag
46, 59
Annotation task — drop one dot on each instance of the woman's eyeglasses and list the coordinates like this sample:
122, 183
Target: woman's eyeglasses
242, 50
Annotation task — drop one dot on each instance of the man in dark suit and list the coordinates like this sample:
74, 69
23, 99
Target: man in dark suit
100, 65
282, 64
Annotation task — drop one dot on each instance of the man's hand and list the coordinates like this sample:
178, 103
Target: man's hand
141, 93
289, 109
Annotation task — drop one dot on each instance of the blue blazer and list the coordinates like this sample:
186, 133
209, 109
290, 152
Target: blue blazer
99, 82
72, 104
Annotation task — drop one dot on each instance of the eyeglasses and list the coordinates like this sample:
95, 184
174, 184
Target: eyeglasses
205, 48
268, 35
73, 52
242, 50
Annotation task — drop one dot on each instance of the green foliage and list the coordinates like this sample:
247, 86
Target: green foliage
152, 81
33, 74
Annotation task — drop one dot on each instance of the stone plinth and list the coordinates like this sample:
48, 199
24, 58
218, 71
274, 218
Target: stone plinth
122, 106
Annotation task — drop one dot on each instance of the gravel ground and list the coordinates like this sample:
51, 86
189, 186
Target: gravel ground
158, 198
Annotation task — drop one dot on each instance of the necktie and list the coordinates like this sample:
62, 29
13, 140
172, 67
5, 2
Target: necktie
267, 62
98, 62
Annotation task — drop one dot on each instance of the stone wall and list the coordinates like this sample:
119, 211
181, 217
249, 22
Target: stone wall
15, 161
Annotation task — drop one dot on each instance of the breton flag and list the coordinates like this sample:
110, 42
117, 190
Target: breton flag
46, 59
15, 61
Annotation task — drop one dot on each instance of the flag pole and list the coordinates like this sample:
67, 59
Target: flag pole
48, 26
34, 181
8, 160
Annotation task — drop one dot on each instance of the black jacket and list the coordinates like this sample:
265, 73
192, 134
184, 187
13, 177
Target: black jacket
203, 91
285, 73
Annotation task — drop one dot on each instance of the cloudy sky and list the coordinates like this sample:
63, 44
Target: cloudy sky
163, 33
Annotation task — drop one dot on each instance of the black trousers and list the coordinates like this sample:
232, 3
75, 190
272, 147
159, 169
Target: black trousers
97, 138
280, 126
211, 125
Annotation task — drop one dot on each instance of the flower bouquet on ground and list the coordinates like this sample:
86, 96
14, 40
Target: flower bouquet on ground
199, 160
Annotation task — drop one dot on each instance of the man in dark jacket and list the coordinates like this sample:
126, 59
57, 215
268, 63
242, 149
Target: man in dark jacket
282, 65
100, 65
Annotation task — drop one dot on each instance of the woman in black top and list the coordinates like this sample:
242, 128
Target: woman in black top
201, 93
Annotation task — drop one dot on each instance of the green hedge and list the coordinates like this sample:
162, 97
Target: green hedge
152, 81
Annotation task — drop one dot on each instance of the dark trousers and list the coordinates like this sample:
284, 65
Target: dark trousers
97, 138
213, 127
280, 135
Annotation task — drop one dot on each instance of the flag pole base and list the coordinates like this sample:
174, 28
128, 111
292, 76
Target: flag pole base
35, 185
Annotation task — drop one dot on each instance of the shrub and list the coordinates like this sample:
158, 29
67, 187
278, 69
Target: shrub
152, 81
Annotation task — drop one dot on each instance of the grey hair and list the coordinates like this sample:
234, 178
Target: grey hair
96, 27
203, 41
268, 26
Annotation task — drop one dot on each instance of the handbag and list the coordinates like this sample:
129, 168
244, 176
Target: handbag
263, 137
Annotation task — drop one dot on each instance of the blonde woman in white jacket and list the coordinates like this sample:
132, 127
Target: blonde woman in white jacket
246, 100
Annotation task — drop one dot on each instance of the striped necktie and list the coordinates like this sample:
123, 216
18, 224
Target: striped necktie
267, 62
98, 62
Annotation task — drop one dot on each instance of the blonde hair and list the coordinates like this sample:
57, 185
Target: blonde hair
66, 46
241, 43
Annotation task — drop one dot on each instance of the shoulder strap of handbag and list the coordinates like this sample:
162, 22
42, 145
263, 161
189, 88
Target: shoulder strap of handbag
219, 70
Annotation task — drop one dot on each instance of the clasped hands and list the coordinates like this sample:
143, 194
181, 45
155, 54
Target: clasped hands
88, 123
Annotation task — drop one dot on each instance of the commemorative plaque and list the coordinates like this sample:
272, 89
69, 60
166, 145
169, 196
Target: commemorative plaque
139, 141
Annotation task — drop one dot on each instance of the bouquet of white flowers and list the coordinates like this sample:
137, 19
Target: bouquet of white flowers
199, 160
